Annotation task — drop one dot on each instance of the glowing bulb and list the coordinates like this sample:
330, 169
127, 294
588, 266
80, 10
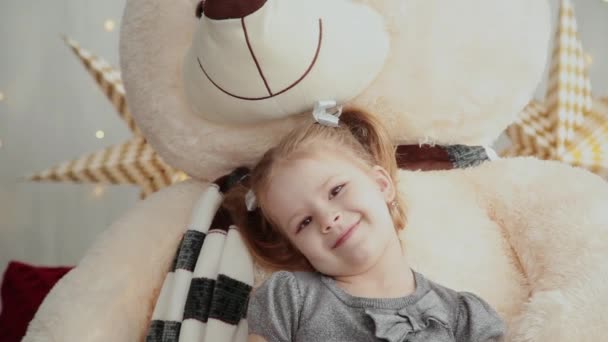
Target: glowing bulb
180, 176
109, 25
99, 134
1, 96
99, 190
588, 58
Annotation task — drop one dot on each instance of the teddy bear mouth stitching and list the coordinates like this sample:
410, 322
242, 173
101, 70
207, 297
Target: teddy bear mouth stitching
261, 72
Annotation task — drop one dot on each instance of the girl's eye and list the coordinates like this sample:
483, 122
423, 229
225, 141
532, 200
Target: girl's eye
335, 191
304, 223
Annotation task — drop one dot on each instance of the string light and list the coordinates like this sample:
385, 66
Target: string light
1, 96
0, 143
100, 134
99, 190
588, 58
109, 25
180, 176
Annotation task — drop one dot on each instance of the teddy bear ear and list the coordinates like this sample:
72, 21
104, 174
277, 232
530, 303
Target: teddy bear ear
457, 75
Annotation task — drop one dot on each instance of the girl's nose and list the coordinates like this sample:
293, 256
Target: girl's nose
330, 223
230, 9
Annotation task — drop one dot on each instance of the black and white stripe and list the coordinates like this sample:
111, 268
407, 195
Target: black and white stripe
205, 294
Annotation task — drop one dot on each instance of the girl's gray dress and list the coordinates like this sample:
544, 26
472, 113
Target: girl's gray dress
306, 306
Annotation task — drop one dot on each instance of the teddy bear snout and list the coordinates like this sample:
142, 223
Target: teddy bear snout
230, 9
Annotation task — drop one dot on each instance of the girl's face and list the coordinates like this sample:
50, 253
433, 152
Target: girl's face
333, 210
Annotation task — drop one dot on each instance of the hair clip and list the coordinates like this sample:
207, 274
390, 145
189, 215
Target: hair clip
250, 201
323, 116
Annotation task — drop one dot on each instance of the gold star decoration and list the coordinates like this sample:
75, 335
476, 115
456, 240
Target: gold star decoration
570, 125
133, 162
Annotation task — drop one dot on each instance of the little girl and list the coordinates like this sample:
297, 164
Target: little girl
324, 211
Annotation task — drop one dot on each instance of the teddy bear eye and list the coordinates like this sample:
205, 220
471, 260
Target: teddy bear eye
199, 9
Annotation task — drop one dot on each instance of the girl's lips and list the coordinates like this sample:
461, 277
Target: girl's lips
348, 233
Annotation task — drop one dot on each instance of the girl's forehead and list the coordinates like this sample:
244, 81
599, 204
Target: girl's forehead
309, 175
321, 162
308, 167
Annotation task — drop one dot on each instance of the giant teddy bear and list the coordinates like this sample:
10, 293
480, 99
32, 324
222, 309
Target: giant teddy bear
213, 84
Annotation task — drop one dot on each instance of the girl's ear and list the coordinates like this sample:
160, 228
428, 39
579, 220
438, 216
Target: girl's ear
385, 183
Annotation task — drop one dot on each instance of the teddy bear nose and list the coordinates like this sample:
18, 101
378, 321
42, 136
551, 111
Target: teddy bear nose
230, 9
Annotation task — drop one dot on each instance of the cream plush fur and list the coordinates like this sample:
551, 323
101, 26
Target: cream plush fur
529, 236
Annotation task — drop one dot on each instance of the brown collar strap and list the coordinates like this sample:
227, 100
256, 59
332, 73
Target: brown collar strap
409, 157
438, 157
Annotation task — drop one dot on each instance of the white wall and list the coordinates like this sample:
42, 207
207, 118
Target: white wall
53, 108
51, 111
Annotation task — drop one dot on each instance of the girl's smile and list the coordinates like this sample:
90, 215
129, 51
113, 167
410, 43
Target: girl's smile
346, 235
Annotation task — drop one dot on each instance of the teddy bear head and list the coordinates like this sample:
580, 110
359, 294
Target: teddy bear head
212, 84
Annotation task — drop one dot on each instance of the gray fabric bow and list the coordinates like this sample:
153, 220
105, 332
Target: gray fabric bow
396, 326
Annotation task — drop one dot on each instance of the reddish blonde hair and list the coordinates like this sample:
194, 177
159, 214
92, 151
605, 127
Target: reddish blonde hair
364, 140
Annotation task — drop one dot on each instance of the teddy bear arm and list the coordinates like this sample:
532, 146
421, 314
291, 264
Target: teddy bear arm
554, 217
550, 213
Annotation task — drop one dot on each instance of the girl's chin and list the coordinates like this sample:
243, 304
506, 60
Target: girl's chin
363, 259
351, 259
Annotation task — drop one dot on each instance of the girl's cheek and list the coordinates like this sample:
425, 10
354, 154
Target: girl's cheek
315, 246
306, 244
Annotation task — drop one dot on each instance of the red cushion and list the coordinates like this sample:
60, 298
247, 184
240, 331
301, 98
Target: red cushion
23, 289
